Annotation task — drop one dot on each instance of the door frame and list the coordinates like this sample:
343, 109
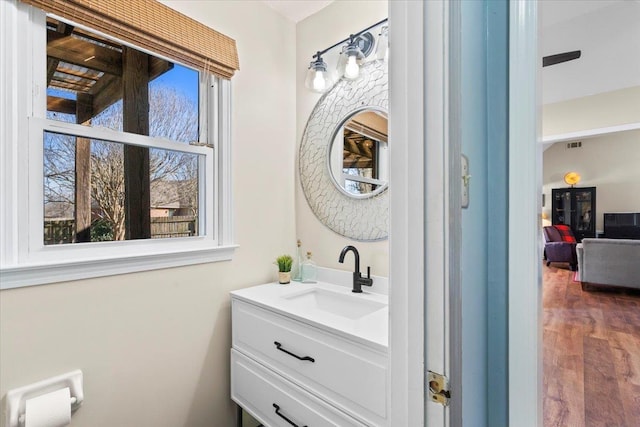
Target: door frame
419, 175
525, 189
406, 212
419, 184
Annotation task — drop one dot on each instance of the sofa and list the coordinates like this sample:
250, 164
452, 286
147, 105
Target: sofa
613, 262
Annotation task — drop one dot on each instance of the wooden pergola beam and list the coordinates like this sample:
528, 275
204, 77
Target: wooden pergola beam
83, 173
52, 63
137, 200
158, 67
61, 105
78, 87
106, 91
355, 161
83, 53
351, 146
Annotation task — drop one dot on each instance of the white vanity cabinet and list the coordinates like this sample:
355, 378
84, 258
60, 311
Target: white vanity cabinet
288, 371
277, 402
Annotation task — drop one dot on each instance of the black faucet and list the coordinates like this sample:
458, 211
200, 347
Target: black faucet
358, 280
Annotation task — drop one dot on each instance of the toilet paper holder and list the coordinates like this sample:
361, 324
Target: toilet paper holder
16, 398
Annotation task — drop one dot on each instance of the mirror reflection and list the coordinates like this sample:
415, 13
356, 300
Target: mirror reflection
358, 158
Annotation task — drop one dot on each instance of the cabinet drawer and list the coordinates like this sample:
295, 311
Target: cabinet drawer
351, 376
257, 390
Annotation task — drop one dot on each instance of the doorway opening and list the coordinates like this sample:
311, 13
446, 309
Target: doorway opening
590, 134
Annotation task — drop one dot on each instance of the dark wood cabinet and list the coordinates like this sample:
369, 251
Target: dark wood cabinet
575, 207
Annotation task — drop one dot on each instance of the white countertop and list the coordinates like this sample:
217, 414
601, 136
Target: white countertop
371, 329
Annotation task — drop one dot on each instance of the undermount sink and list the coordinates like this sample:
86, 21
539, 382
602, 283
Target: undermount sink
344, 305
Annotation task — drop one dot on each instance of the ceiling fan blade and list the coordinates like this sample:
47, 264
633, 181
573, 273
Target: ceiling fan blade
560, 57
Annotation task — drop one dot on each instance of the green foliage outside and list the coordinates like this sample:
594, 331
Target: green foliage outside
101, 231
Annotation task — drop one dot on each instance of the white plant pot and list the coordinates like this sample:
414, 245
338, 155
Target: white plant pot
284, 277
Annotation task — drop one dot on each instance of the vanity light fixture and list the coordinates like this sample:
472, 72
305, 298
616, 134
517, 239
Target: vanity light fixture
350, 60
353, 55
382, 49
318, 78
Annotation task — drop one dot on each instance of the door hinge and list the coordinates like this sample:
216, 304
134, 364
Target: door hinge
438, 388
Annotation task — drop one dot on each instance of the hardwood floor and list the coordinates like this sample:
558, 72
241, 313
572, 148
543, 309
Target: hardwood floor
591, 353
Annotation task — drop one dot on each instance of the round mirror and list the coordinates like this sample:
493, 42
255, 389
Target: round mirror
347, 193
358, 158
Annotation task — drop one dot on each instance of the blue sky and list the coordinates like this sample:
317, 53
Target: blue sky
182, 79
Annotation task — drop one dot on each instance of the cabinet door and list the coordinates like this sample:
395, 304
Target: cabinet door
562, 207
584, 218
276, 402
351, 376
584, 213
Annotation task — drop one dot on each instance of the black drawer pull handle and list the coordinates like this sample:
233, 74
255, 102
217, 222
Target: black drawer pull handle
283, 417
279, 347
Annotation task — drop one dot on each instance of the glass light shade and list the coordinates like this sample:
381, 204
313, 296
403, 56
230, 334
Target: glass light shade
318, 78
351, 58
382, 48
351, 69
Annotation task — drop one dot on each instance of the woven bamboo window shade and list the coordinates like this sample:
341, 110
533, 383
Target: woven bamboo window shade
153, 26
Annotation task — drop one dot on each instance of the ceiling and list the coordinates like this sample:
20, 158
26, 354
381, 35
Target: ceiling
606, 31
297, 10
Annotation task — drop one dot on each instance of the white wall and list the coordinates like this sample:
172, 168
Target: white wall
592, 112
154, 346
319, 31
611, 163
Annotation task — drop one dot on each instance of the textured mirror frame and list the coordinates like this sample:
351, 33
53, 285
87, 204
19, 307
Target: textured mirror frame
364, 219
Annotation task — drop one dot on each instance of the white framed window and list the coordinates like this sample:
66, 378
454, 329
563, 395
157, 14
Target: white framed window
115, 184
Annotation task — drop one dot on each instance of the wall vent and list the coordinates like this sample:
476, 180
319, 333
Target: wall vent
577, 144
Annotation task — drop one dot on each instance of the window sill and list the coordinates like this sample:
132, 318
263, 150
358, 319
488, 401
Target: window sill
41, 274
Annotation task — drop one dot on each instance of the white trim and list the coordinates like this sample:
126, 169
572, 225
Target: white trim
407, 217
10, 20
364, 179
590, 133
113, 136
28, 275
439, 215
204, 132
35, 65
224, 187
525, 167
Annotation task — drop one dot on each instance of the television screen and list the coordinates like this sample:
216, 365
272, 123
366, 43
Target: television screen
622, 225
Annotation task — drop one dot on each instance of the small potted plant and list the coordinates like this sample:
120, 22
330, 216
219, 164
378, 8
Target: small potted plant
284, 268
